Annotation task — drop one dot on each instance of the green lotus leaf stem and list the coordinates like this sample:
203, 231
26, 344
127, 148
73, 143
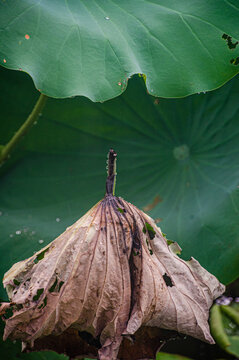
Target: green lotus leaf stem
8, 148
217, 328
231, 313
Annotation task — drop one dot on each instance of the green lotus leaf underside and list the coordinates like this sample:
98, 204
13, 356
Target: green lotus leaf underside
92, 48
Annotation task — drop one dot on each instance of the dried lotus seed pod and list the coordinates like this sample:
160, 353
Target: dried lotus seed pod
108, 274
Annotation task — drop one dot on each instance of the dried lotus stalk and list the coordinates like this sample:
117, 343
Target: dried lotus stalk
108, 274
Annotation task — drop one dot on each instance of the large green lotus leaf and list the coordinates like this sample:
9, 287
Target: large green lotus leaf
176, 158
91, 48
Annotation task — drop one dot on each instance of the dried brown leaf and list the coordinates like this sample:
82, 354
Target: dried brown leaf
109, 274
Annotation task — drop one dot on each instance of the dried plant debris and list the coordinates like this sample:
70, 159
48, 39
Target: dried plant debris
108, 274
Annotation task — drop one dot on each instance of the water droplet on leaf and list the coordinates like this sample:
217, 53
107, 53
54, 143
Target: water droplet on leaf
18, 232
58, 219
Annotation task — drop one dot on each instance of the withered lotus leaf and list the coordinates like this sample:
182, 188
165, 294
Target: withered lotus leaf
108, 274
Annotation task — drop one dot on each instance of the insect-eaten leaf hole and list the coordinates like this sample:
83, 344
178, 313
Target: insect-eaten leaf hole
150, 250
38, 294
228, 39
52, 288
150, 230
40, 256
167, 280
235, 61
60, 285
43, 304
8, 313
121, 210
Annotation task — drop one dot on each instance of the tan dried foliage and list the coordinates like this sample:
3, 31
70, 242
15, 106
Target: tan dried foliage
109, 274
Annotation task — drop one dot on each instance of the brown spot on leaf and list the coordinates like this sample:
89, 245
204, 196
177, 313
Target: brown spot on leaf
157, 220
155, 201
156, 101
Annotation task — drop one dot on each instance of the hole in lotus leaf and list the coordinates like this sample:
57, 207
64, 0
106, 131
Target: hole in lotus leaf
167, 280
40, 256
43, 304
121, 210
16, 282
228, 39
60, 285
38, 294
19, 306
150, 250
235, 61
52, 288
148, 228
